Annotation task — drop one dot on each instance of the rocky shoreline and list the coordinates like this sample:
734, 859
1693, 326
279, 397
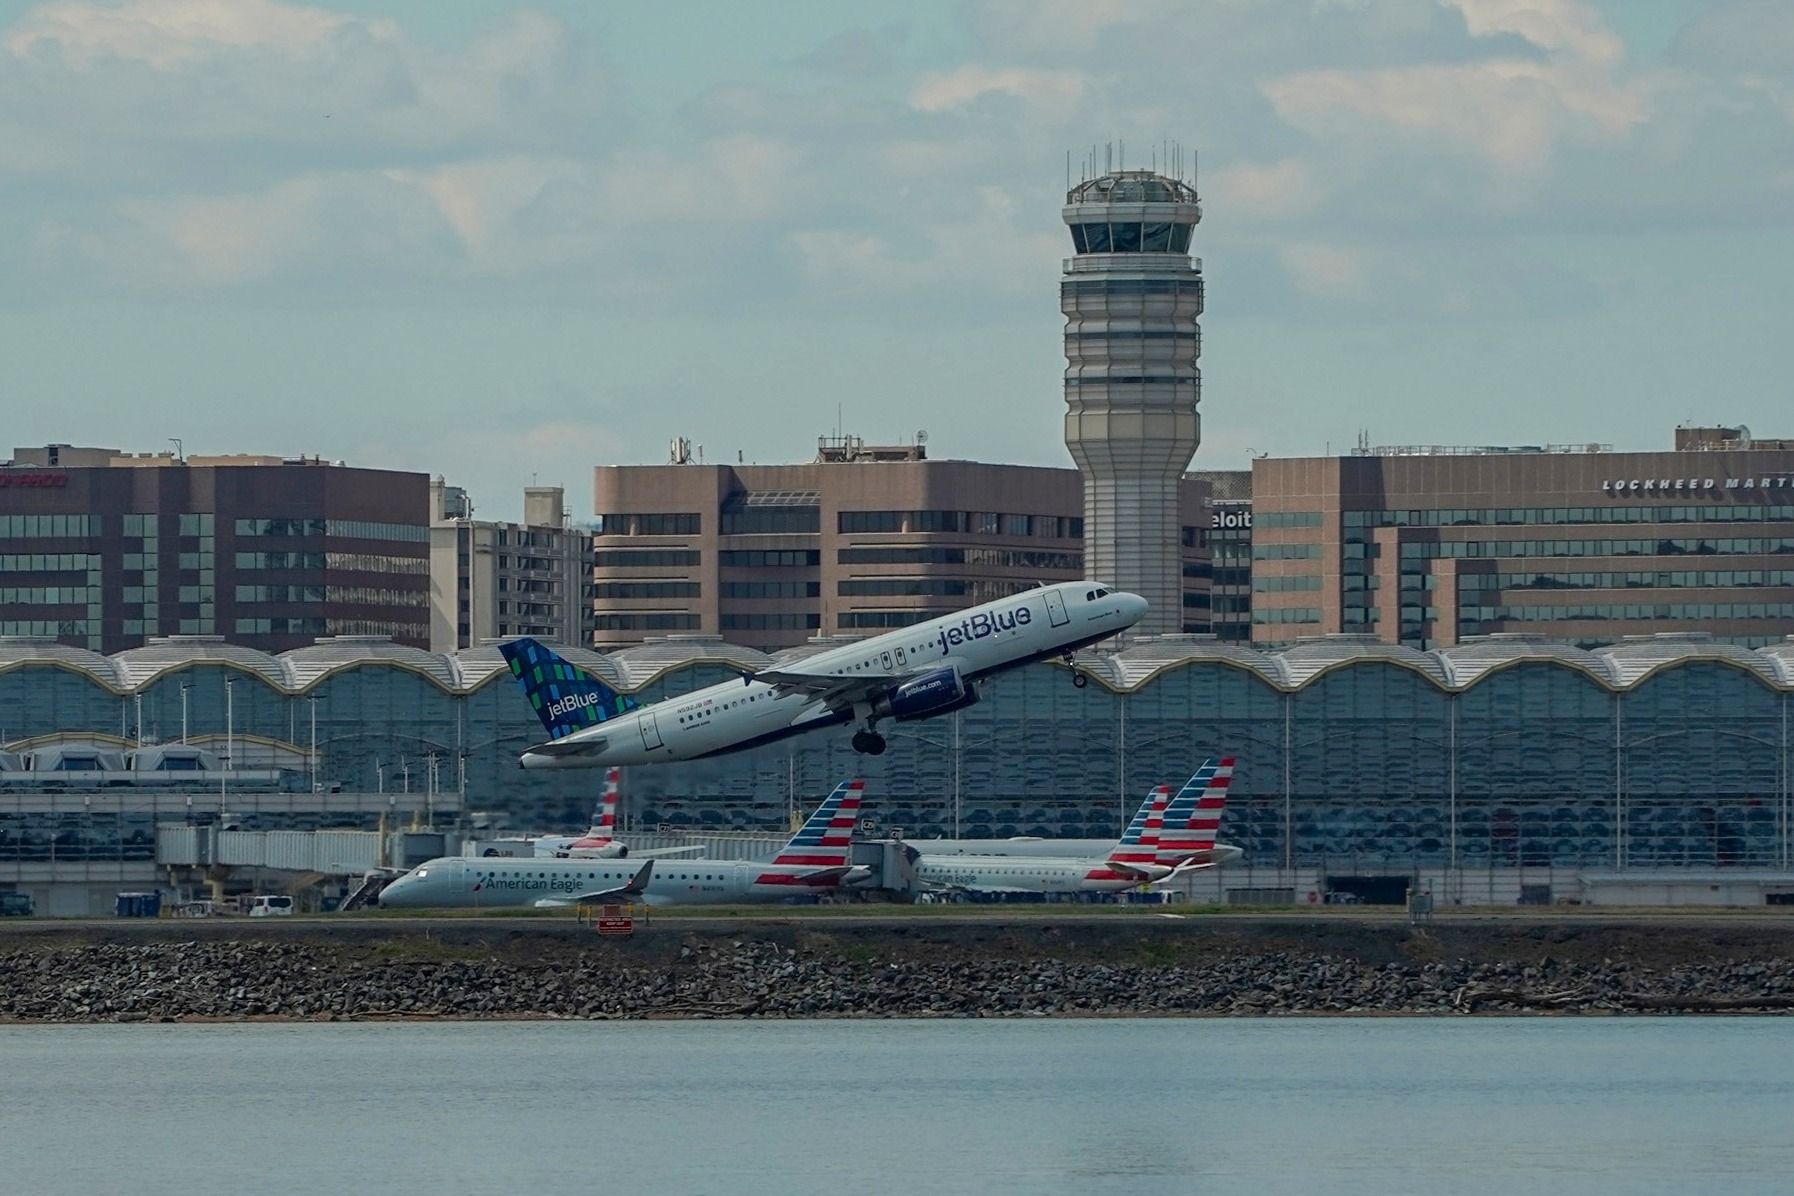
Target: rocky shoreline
785, 972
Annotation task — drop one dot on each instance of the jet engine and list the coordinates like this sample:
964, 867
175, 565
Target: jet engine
925, 696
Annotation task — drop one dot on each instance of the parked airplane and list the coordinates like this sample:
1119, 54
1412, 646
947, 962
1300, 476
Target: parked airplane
1159, 844
1131, 862
600, 842
913, 673
817, 859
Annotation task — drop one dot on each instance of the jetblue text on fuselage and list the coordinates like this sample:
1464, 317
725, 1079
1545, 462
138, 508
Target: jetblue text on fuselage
571, 703
980, 626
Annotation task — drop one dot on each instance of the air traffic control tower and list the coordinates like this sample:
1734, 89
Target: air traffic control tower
1131, 296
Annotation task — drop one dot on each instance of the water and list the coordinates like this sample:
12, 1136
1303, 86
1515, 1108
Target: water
1334, 1106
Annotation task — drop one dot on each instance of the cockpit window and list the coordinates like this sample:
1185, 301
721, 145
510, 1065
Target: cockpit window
1102, 593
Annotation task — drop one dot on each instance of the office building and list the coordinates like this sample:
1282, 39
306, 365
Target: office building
1431, 546
104, 550
494, 580
862, 539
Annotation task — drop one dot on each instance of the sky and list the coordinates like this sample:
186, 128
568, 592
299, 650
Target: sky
507, 243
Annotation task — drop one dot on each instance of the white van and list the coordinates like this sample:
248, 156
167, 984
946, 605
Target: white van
271, 906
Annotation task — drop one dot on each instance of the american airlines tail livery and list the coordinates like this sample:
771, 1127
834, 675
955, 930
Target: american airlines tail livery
1161, 843
817, 859
912, 673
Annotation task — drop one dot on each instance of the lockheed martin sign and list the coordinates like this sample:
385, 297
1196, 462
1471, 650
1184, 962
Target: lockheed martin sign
1685, 485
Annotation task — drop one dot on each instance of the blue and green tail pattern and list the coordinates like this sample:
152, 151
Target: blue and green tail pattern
564, 697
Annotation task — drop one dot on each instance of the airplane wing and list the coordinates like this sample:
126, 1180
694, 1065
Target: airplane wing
833, 689
634, 888
661, 853
1181, 869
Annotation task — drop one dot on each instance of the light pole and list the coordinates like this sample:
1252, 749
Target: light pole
185, 686
312, 760
137, 700
230, 738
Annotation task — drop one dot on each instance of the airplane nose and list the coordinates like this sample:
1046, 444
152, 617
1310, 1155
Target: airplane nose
1134, 607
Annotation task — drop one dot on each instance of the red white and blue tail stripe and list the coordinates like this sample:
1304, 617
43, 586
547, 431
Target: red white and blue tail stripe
826, 839
604, 818
1193, 819
1139, 843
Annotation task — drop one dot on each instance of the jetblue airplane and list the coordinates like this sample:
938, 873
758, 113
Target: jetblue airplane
914, 673
816, 860
1158, 846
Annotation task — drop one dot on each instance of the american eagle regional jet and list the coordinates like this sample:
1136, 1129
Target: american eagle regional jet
818, 859
913, 673
1168, 837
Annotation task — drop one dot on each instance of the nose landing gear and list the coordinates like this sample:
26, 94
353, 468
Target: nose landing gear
1077, 675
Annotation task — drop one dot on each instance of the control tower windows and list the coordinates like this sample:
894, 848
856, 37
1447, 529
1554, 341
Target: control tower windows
1153, 236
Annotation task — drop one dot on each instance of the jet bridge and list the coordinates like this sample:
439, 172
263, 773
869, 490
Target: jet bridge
893, 865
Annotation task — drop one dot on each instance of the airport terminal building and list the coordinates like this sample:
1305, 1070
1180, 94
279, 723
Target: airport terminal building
1497, 757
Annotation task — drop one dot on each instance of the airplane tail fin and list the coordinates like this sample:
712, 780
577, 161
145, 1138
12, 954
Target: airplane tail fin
1139, 843
826, 838
564, 697
604, 818
1193, 818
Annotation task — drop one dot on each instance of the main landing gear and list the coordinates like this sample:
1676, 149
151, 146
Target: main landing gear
869, 742
1077, 675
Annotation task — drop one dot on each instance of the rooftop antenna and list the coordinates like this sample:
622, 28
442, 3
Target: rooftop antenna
179, 453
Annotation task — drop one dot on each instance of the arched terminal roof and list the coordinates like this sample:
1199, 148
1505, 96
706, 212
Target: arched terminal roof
1781, 659
139, 666
1470, 660
643, 662
474, 665
811, 646
1314, 655
1620, 665
1637, 656
1133, 665
306, 666
25, 649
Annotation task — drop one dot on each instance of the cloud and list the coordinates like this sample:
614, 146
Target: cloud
1562, 26
1324, 271
241, 87
1754, 37
1512, 112
958, 88
1265, 190
171, 34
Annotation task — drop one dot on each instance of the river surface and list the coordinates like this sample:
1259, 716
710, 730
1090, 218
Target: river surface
1335, 1106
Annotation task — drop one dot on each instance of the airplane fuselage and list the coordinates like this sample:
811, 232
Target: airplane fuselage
733, 716
1021, 874
1058, 849
455, 882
